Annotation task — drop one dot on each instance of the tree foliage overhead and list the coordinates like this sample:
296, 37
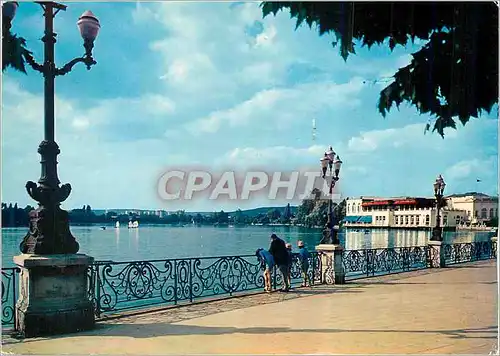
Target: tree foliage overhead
454, 75
14, 51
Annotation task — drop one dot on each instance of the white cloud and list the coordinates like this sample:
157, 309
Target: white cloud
277, 107
266, 38
238, 53
409, 135
477, 168
27, 107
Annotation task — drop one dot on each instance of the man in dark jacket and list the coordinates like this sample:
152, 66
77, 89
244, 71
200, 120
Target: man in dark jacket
280, 255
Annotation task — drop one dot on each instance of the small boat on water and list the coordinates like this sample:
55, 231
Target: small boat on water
103, 227
117, 225
133, 224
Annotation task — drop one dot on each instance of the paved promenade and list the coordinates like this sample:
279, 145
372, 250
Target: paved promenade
453, 310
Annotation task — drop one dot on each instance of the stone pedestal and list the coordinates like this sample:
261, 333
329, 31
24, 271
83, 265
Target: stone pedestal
332, 270
437, 257
53, 294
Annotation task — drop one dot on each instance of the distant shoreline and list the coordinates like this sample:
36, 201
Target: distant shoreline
112, 226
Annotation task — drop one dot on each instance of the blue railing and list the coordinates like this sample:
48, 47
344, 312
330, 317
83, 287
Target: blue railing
469, 252
115, 287
376, 262
9, 295
118, 286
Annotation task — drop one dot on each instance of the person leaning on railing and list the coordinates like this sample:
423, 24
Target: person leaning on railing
266, 261
280, 255
304, 263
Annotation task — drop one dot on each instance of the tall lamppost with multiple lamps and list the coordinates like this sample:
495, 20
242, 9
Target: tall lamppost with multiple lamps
330, 233
439, 186
329, 249
49, 260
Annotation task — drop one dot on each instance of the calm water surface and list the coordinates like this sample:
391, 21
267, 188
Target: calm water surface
163, 242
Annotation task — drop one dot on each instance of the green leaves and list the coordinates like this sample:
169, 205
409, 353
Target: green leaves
13, 51
455, 75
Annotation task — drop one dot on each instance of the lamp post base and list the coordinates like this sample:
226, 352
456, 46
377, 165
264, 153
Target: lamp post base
53, 295
332, 268
437, 257
437, 234
330, 236
49, 233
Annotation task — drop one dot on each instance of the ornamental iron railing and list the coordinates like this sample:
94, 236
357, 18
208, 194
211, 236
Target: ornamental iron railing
469, 252
115, 287
119, 286
9, 296
375, 262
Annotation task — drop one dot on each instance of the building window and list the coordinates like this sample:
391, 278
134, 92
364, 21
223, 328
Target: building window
476, 214
496, 213
417, 220
412, 220
491, 213
427, 220
406, 219
396, 220
484, 213
445, 220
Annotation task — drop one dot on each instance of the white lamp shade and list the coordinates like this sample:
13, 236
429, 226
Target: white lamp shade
330, 153
337, 164
88, 25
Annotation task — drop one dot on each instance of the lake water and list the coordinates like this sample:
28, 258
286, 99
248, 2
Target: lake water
163, 242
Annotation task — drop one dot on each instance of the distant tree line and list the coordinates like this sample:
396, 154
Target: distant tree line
12, 215
312, 212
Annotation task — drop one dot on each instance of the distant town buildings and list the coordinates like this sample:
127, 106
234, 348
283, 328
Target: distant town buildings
479, 207
417, 212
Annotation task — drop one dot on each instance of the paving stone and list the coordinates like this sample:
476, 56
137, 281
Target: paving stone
446, 311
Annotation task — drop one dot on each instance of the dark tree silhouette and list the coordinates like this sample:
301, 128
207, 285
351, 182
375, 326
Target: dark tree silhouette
454, 75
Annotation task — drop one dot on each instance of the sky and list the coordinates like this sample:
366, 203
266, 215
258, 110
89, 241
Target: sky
213, 85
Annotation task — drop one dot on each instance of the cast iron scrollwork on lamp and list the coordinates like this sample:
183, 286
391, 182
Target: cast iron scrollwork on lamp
330, 234
439, 186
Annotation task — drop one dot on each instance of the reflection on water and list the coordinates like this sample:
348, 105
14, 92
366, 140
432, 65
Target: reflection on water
382, 238
162, 242
358, 239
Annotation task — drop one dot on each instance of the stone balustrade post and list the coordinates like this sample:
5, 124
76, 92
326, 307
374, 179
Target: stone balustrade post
332, 268
436, 254
53, 294
494, 246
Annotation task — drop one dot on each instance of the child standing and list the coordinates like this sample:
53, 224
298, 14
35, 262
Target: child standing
267, 263
304, 263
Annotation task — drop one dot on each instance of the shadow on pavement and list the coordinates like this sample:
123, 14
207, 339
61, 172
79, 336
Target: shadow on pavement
162, 329
426, 283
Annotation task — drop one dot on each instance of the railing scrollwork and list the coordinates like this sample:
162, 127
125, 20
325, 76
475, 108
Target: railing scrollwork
120, 286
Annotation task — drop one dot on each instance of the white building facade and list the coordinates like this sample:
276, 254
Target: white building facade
400, 212
479, 208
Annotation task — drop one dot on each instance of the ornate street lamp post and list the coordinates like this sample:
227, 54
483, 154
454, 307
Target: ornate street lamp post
49, 261
330, 234
439, 186
49, 225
